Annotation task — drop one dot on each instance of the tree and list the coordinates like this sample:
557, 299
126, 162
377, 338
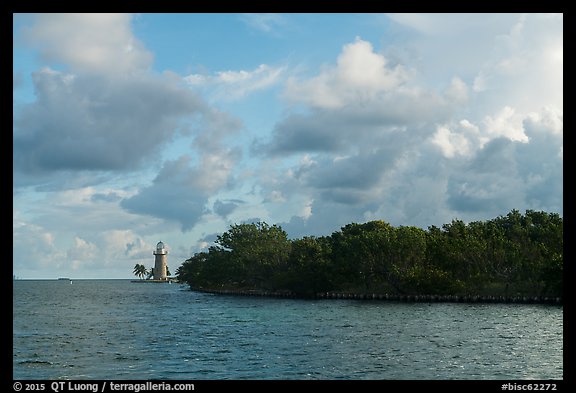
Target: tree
256, 251
140, 270
407, 262
309, 266
363, 256
196, 271
520, 255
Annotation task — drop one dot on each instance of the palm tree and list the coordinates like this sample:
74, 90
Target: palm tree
140, 270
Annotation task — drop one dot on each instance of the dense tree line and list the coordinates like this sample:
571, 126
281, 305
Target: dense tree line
511, 255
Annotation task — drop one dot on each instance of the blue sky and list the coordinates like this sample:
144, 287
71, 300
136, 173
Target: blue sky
131, 129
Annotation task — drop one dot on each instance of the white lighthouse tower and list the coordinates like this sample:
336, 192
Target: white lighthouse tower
160, 262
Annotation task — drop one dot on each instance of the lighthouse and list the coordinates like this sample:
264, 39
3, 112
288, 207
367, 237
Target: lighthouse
160, 262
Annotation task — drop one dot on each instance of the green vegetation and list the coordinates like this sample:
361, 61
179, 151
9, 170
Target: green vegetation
140, 270
512, 255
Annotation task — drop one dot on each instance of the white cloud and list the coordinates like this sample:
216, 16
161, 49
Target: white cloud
360, 104
451, 143
506, 123
111, 250
360, 75
34, 247
525, 68
466, 122
457, 91
232, 85
398, 150
549, 119
82, 251
461, 139
95, 43
81, 241
306, 211
86, 122
181, 190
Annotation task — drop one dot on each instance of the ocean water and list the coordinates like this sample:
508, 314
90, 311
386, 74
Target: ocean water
116, 329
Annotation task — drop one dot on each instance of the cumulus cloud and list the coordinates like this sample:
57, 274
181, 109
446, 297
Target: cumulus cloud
360, 76
463, 138
525, 70
450, 142
86, 122
181, 191
443, 45
364, 117
398, 150
98, 114
225, 208
362, 101
48, 253
80, 252
427, 186
107, 112
174, 195
488, 180
540, 161
33, 247
506, 123
389, 121
109, 251
464, 121
75, 232
350, 173
95, 43
81, 210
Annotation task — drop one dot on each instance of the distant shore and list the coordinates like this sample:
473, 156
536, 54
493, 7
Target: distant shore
389, 297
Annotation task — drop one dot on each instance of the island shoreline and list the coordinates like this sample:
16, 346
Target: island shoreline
388, 297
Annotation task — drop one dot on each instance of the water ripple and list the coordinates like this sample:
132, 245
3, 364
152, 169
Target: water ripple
102, 329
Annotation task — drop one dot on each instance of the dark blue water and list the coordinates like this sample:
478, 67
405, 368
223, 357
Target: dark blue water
115, 329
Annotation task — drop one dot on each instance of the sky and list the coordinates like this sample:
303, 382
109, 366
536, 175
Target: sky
129, 129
